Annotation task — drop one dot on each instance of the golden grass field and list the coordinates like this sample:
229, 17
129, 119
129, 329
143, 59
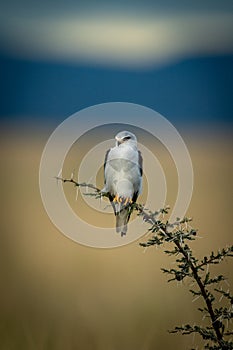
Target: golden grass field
57, 294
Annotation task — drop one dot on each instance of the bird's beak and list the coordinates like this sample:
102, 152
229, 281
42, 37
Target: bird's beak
118, 140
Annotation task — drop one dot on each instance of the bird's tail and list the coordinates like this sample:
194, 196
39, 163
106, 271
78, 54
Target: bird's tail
122, 218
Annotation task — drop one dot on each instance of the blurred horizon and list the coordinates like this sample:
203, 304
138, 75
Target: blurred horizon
173, 58
53, 91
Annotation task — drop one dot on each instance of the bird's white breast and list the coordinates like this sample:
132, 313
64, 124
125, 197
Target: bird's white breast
122, 172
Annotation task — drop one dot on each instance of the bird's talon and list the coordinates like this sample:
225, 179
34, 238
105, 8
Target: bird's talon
122, 200
128, 200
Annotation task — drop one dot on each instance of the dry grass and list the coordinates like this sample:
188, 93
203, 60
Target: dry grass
56, 294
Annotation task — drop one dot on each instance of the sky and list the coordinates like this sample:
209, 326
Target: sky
59, 57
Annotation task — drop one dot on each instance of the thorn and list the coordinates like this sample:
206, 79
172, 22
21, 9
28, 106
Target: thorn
197, 297
76, 196
58, 176
60, 173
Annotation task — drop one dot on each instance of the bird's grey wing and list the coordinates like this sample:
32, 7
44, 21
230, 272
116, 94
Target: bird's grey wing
105, 162
140, 162
109, 194
140, 165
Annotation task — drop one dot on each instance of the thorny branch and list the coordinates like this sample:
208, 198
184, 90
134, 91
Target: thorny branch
187, 263
82, 184
98, 193
187, 266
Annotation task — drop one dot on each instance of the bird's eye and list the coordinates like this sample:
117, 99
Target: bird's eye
126, 138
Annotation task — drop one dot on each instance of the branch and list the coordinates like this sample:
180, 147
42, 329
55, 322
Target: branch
147, 215
188, 261
83, 184
188, 265
216, 258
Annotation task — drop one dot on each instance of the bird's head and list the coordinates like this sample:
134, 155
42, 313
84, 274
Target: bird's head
124, 137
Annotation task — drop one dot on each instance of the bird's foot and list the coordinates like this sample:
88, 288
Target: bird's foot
127, 200
123, 200
116, 198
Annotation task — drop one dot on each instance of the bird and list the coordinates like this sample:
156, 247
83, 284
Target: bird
123, 177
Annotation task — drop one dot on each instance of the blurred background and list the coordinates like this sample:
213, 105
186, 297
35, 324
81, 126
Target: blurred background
55, 59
